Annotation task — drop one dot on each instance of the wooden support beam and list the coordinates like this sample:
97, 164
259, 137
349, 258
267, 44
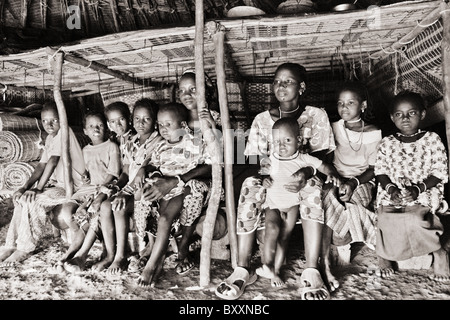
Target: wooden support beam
114, 13
212, 147
24, 13
101, 68
445, 45
57, 61
228, 141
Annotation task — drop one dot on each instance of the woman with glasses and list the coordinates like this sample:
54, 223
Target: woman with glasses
317, 139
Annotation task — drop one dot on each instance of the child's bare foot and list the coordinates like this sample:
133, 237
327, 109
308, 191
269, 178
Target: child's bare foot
16, 257
386, 268
149, 275
328, 277
75, 265
102, 264
5, 253
265, 272
276, 281
117, 266
441, 266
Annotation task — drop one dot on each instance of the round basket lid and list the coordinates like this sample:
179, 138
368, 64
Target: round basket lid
244, 11
296, 6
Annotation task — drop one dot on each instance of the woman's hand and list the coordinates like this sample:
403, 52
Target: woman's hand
160, 187
396, 196
30, 195
301, 176
267, 182
206, 115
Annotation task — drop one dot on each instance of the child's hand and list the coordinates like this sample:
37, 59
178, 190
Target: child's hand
160, 187
334, 179
267, 182
346, 190
206, 115
139, 180
396, 196
17, 195
96, 203
119, 202
85, 178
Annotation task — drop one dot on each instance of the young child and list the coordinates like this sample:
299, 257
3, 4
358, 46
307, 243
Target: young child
349, 214
102, 160
115, 212
43, 192
179, 158
411, 168
118, 118
282, 208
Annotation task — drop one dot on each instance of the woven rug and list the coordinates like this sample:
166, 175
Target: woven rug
15, 175
21, 146
12, 122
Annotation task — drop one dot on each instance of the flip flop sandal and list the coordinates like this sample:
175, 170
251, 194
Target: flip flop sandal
184, 266
312, 282
239, 274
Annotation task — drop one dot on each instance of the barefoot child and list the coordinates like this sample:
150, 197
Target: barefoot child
102, 160
180, 158
118, 118
281, 206
411, 169
43, 192
349, 216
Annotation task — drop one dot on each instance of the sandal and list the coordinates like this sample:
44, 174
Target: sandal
184, 266
313, 283
136, 264
229, 290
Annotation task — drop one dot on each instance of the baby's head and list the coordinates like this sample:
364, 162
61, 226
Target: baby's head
94, 126
407, 110
144, 116
286, 137
172, 119
50, 118
118, 115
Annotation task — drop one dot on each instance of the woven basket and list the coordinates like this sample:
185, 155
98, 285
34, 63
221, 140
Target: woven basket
20, 146
16, 174
11, 122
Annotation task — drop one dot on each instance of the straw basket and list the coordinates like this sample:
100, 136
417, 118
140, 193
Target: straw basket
296, 6
16, 174
19, 146
11, 122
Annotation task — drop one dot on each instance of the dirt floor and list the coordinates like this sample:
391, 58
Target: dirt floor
35, 279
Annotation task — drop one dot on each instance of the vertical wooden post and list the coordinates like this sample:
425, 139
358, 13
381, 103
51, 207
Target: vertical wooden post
445, 45
219, 37
212, 147
65, 156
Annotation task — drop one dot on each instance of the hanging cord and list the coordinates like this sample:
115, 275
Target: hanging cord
396, 74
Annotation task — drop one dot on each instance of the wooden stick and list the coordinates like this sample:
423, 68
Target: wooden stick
212, 147
65, 155
227, 142
445, 45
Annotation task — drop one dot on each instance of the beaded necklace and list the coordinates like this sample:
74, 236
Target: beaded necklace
359, 141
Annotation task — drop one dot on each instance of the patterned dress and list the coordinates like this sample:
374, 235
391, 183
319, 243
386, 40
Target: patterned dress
354, 153
413, 229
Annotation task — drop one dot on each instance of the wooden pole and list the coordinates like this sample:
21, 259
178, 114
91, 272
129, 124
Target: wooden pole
445, 45
219, 44
212, 147
57, 62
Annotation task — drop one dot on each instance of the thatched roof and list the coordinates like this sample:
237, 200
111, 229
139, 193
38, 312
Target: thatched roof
255, 46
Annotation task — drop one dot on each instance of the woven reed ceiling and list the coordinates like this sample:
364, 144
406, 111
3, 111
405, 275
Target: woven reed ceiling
254, 47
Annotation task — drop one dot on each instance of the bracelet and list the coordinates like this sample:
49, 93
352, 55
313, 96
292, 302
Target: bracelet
357, 181
424, 186
416, 186
386, 188
314, 170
